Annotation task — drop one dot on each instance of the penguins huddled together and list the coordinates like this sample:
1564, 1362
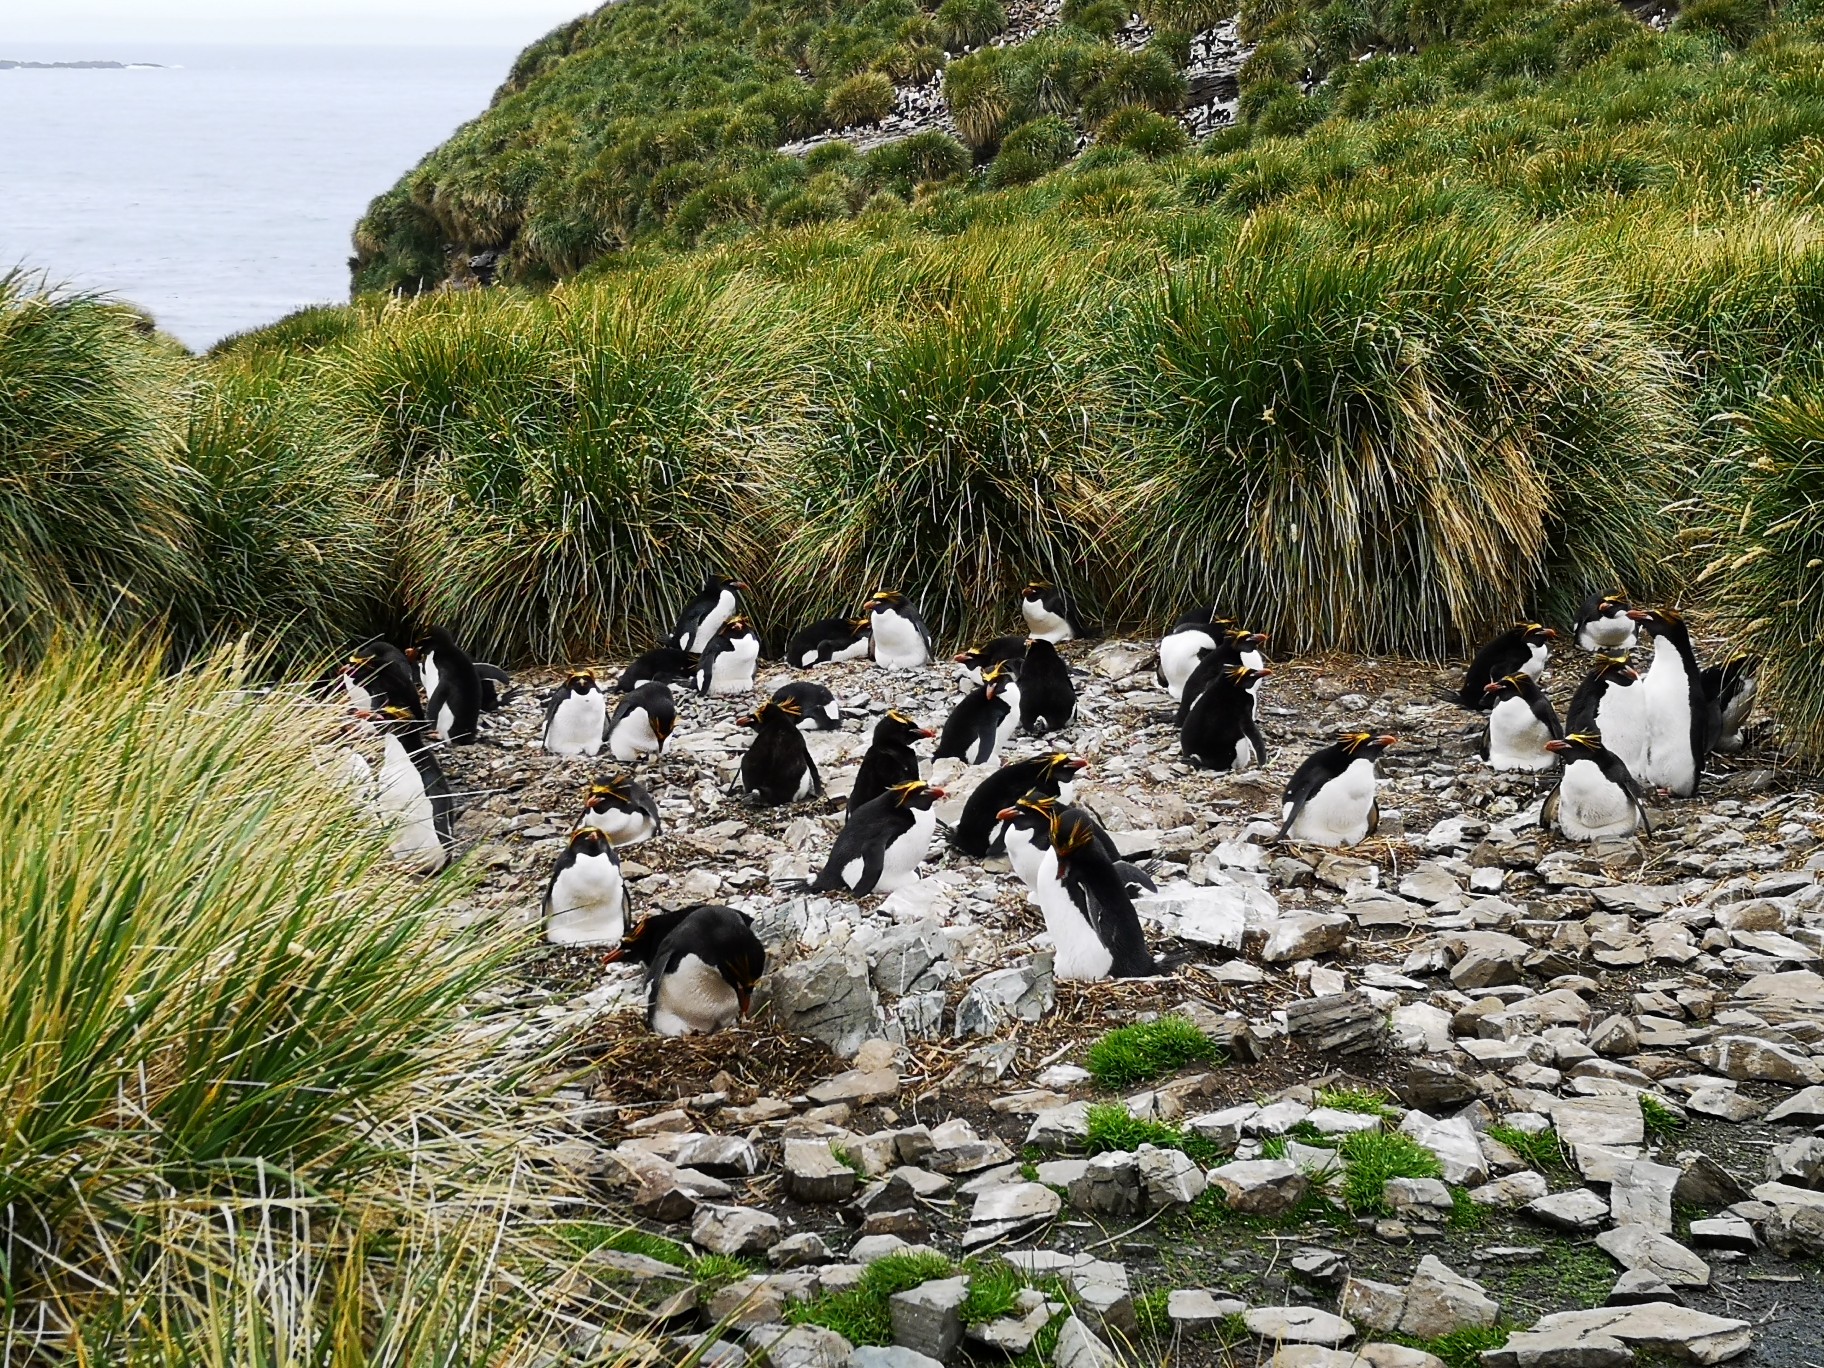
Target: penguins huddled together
1629, 732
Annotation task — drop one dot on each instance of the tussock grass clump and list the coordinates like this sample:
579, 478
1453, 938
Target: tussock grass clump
1662, 1123
861, 1314
1374, 1157
1367, 1101
1770, 573
958, 453
1542, 1150
92, 494
1111, 1127
1148, 1050
1435, 416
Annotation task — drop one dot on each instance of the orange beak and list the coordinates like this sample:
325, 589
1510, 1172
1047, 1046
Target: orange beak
1558, 745
939, 793
1006, 814
745, 996
926, 731
1388, 740
611, 956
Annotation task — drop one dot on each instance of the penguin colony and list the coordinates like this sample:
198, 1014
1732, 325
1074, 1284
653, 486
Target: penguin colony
1628, 733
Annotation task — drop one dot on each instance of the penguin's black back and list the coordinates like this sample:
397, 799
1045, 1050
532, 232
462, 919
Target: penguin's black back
1048, 698
776, 763
975, 830
661, 665
1001, 650
1211, 667
655, 698
458, 688
809, 698
1501, 656
1097, 887
820, 640
387, 675
697, 609
1219, 718
890, 760
971, 725
871, 828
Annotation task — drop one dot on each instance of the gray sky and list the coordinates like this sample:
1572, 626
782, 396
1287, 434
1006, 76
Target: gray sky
111, 22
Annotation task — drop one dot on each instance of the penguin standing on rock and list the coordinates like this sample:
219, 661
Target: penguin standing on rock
778, 768
574, 715
1026, 831
1682, 721
1219, 730
817, 706
883, 842
661, 665
1185, 645
978, 829
642, 723
1596, 798
706, 614
829, 639
411, 796
1522, 649
1049, 613
727, 664
980, 724
1519, 724
1331, 799
901, 639
1603, 624
890, 760
586, 901
620, 805
701, 967
1048, 697
973, 663
455, 698
1088, 911
378, 676
1732, 686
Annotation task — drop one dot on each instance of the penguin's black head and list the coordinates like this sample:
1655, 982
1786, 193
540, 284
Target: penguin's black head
737, 627
861, 625
1616, 669
901, 726
715, 584
1658, 622
1058, 760
1613, 605
1034, 809
1242, 639
1070, 835
915, 793
1576, 744
1537, 634
580, 681
1034, 592
995, 680
885, 598
1360, 745
741, 967
1510, 684
591, 841
606, 793
1241, 676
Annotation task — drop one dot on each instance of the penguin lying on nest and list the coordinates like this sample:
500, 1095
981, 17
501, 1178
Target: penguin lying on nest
1330, 800
661, 665
1522, 649
817, 706
1219, 730
727, 663
829, 639
901, 639
574, 716
701, 963
777, 768
620, 805
1603, 624
642, 723
1049, 613
585, 901
1087, 909
704, 616
890, 760
1521, 721
880, 848
1596, 798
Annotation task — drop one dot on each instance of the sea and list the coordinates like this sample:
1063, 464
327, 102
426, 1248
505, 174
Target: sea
216, 187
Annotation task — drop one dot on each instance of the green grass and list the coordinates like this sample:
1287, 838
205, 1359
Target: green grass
1661, 1122
1466, 1217
713, 1272
861, 1314
1365, 1101
1460, 1348
588, 1235
1541, 1150
1111, 1127
1148, 1050
1211, 1211
994, 1289
1373, 1158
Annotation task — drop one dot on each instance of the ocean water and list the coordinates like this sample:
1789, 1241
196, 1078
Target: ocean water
219, 192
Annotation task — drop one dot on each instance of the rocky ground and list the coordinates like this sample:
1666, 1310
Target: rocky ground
1612, 1058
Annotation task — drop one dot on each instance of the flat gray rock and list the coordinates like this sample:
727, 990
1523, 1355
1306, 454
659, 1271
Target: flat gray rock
1578, 1211
1298, 1325
1641, 1248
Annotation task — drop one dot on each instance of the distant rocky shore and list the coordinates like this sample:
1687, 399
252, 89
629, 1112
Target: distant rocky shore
7, 64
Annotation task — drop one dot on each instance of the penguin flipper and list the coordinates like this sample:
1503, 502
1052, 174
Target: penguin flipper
1548, 810
1374, 816
872, 861
1251, 729
1482, 746
810, 763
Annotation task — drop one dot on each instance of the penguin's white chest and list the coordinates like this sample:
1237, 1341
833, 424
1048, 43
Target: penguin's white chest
1593, 807
623, 826
1621, 718
1006, 727
360, 697
1537, 653
694, 999
1607, 633
428, 671
1337, 814
732, 671
1025, 852
905, 851
1044, 624
405, 809
576, 726
1080, 953
712, 622
1669, 762
633, 737
1245, 757
1179, 654
1516, 737
586, 903
898, 644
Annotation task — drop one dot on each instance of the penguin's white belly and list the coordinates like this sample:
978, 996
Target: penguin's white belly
576, 727
405, 810
1669, 761
1621, 719
1245, 758
1178, 657
1006, 727
732, 672
1591, 807
1537, 655
1606, 634
587, 904
1516, 737
897, 643
1044, 624
359, 697
430, 674
904, 853
712, 623
623, 828
1025, 854
633, 737
856, 650
445, 719
1337, 814
1079, 951
694, 999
